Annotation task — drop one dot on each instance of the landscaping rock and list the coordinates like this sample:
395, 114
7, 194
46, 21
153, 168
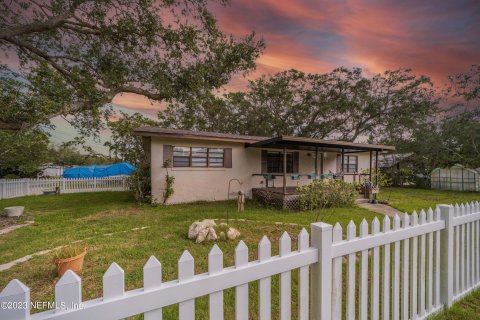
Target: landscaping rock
208, 230
202, 230
16, 211
212, 235
232, 233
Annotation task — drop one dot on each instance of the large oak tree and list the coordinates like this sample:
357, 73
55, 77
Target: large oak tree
343, 104
76, 55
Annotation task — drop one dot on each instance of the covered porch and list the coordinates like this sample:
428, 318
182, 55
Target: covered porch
285, 196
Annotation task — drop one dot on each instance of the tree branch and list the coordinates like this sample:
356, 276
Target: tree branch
51, 23
143, 92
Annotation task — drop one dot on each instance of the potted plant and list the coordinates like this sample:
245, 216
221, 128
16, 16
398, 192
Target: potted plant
70, 257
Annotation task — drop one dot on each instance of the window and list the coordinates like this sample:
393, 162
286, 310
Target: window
198, 157
181, 157
350, 164
275, 162
216, 157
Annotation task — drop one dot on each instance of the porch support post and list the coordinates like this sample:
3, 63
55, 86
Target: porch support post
316, 163
343, 162
321, 163
284, 170
377, 176
370, 172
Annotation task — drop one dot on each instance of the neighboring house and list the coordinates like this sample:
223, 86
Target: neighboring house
205, 163
395, 160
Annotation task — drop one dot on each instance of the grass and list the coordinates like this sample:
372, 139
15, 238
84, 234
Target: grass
104, 222
467, 308
410, 199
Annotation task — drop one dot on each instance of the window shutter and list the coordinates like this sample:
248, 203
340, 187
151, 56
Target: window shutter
168, 153
296, 158
147, 147
227, 157
264, 161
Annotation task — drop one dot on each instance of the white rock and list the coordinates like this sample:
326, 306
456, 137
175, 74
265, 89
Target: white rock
208, 223
202, 235
212, 235
202, 230
232, 233
193, 230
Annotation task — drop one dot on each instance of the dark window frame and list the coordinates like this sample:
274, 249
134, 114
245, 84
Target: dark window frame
279, 155
347, 164
207, 157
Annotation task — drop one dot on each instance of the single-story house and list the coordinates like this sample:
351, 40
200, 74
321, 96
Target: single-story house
210, 166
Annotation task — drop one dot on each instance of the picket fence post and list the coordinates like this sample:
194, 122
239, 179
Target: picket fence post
18, 295
321, 272
446, 255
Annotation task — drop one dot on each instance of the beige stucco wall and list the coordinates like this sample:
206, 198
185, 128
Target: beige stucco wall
211, 184
363, 164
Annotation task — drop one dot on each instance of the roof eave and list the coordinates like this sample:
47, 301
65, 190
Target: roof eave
321, 143
192, 137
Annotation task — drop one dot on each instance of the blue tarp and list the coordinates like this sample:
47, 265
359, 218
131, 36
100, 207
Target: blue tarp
123, 168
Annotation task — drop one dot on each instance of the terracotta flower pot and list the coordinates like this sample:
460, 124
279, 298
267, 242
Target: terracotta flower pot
73, 263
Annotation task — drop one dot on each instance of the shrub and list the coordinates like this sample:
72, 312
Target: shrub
140, 183
384, 179
327, 194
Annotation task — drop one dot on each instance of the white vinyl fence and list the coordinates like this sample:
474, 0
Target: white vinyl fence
405, 270
27, 187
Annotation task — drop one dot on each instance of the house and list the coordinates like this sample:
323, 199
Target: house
394, 161
209, 165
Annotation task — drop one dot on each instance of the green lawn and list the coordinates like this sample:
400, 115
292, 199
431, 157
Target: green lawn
104, 221
467, 308
101, 219
409, 199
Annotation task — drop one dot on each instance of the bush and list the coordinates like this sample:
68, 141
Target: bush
141, 184
327, 194
384, 179
11, 176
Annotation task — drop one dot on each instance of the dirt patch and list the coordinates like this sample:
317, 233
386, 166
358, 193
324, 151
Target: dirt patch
113, 213
6, 222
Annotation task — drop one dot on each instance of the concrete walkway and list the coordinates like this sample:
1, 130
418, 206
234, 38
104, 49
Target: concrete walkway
15, 227
381, 208
23, 259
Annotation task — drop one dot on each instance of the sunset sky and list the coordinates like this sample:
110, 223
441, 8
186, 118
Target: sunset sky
436, 38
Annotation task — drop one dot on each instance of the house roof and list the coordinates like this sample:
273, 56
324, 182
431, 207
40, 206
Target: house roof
201, 135
303, 143
389, 160
280, 142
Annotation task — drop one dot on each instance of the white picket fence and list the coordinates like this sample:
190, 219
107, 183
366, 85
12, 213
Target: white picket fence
27, 187
407, 270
